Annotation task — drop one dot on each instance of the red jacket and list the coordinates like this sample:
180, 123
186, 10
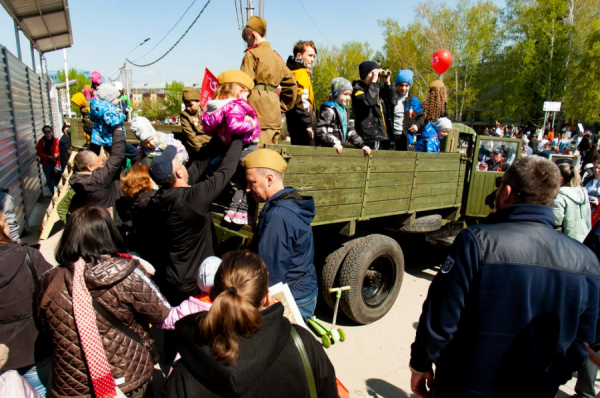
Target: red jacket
44, 161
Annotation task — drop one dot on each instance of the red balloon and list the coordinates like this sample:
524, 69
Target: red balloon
441, 61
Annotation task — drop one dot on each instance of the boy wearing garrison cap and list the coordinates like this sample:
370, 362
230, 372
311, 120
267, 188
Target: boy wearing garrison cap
193, 137
268, 70
285, 238
372, 102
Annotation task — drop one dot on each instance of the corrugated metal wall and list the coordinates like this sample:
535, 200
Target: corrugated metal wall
24, 110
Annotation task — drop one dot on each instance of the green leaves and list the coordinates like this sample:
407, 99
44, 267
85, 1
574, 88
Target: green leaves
506, 62
173, 97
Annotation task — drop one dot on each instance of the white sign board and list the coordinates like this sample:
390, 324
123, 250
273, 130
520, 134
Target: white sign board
552, 106
580, 126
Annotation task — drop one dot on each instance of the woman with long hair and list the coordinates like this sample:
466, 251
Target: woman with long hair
434, 106
97, 305
572, 205
21, 268
240, 347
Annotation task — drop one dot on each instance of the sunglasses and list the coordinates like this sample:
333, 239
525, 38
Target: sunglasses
47, 131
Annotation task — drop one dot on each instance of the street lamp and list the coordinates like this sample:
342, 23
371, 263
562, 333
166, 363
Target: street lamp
134, 48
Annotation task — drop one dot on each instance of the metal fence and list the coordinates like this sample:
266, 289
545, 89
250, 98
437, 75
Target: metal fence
24, 110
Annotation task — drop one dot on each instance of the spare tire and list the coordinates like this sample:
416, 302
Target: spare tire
424, 224
329, 275
374, 268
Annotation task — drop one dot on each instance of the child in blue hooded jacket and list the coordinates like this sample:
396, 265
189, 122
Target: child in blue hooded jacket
432, 134
105, 115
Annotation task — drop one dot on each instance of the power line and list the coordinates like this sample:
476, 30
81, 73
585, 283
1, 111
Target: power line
165, 36
177, 42
311, 20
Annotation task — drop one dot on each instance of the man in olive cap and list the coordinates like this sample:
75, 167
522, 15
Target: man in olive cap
193, 137
285, 237
268, 70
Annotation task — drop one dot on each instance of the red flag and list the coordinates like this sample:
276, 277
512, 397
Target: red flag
209, 87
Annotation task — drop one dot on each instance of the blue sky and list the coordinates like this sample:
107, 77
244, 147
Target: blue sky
104, 31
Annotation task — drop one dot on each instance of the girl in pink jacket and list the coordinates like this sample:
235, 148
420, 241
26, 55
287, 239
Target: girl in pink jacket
229, 114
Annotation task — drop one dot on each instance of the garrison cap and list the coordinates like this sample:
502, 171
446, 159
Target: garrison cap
257, 24
191, 94
266, 158
436, 85
236, 76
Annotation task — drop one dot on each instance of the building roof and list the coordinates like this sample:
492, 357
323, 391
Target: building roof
45, 23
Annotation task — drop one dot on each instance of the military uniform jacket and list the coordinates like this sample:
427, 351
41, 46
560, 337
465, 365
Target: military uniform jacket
266, 67
193, 137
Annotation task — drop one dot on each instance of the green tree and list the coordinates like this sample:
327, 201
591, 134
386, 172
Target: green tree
537, 60
469, 31
153, 110
78, 87
338, 62
173, 94
582, 99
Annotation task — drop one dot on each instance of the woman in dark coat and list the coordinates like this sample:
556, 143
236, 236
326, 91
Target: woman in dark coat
239, 348
64, 144
20, 269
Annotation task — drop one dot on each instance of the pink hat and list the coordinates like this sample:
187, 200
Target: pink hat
96, 77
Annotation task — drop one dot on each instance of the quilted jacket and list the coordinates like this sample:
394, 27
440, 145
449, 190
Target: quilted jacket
329, 131
227, 117
122, 287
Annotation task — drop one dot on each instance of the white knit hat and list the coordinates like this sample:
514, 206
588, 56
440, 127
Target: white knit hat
119, 86
443, 123
107, 92
142, 128
206, 273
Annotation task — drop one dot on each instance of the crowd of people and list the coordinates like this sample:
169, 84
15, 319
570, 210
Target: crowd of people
139, 248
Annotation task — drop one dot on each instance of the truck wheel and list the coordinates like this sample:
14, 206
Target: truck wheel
331, 268
424, 224
374, 268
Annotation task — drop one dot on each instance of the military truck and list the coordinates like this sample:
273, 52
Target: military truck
372, 200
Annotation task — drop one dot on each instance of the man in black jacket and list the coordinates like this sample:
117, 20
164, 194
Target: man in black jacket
95, 183
184, 221
509, 311
371, 101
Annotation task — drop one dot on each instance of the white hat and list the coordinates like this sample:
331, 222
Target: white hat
206, 273
119, 86
142, 128
525, 140
443, 123
107, 92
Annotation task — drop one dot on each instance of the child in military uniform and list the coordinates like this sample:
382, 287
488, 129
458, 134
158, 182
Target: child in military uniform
268, 70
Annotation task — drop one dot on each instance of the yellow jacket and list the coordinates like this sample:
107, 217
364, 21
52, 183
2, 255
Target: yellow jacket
302, 116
